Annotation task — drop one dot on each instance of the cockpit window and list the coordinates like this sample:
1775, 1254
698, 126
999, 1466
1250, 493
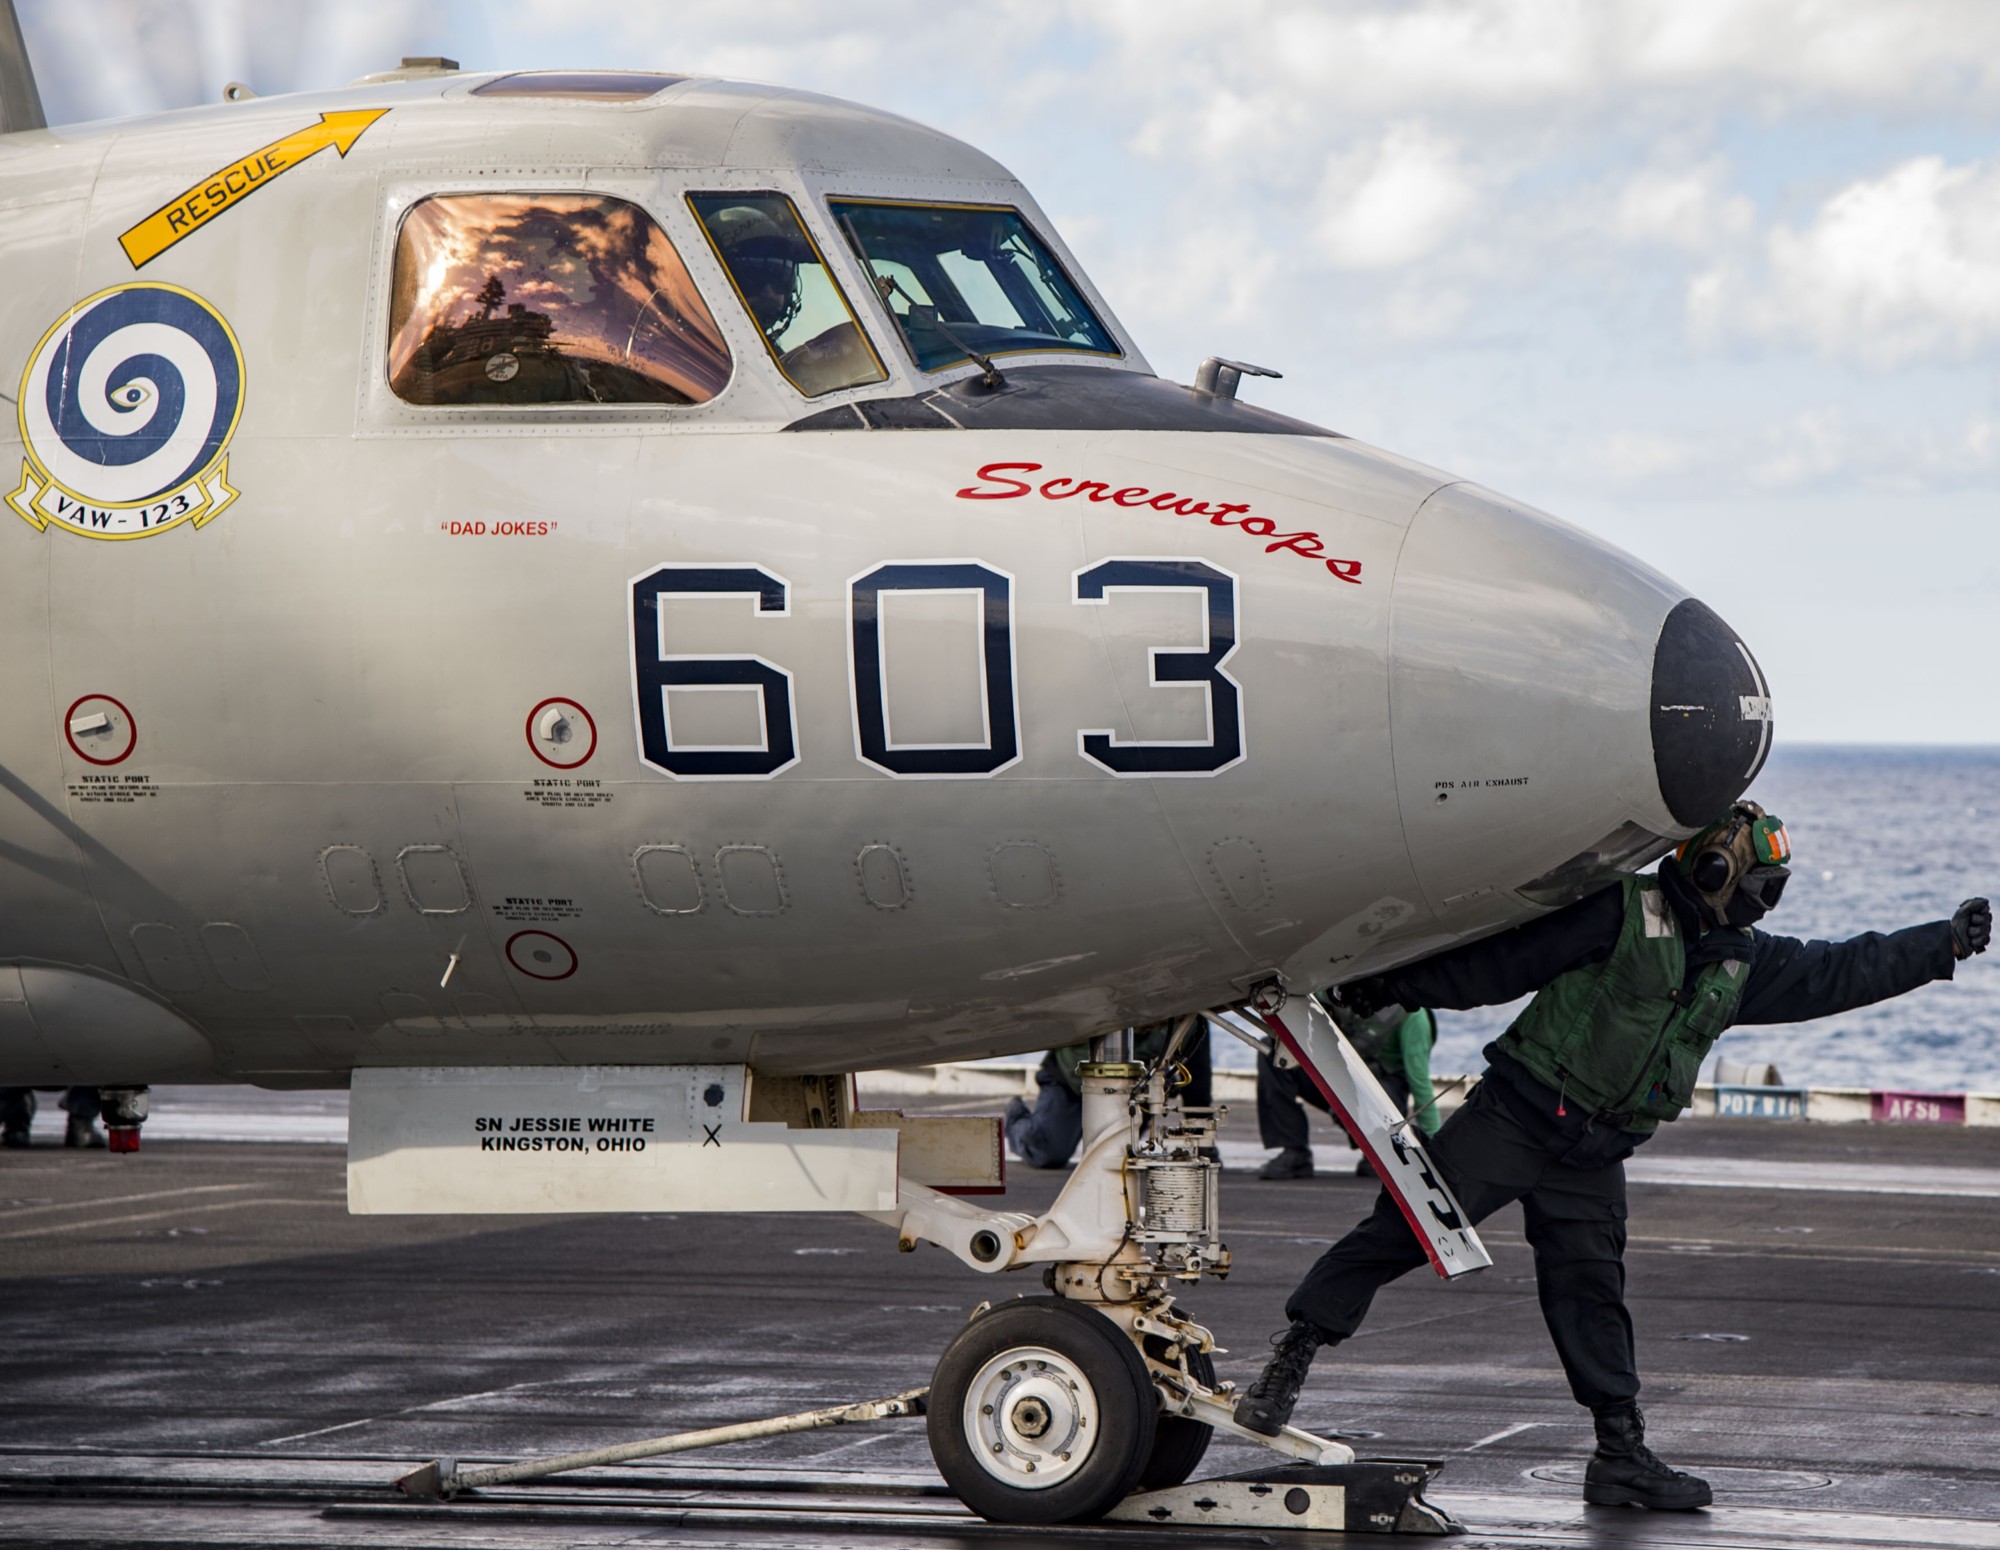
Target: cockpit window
796, 304
969, 279
521, 299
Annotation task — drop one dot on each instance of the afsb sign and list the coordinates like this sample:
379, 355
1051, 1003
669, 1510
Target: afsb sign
1917, 1108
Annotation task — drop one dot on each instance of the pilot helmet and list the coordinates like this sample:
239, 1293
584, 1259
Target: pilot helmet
764, 259
1737, 864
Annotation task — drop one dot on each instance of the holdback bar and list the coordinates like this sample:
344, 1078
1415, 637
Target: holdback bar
442, 1479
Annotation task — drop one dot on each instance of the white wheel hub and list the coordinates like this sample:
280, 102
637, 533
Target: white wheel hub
1032, 1417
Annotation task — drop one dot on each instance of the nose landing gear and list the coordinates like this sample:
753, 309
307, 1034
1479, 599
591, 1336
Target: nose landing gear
1056, 1409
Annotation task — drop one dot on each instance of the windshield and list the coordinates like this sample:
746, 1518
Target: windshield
799, 309
969, 279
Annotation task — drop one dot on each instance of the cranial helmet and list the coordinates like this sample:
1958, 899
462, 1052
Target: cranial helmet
1737, 864
764, 260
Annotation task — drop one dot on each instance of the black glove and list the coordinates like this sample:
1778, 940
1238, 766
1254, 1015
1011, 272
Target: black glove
1364, 998
1971, 928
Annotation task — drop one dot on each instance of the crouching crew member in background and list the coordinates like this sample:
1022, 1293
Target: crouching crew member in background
1046, 1135
1633, 984
17, 1116
1395, 1044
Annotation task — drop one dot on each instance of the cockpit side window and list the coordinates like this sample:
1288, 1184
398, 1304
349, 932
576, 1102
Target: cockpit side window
796, 304
527, 299
966, 279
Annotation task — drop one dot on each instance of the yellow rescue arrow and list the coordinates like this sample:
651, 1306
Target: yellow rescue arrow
188, 212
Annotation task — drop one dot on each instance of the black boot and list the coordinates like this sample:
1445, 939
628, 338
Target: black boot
1294, 1162
82, 1131
1624, 1472
1271, 1399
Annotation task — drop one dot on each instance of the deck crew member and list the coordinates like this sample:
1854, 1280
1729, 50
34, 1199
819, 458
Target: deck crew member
1046, 1135
17, 1116
1633, 984
1396, 1045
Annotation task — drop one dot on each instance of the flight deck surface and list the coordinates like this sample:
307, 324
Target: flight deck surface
204, 1348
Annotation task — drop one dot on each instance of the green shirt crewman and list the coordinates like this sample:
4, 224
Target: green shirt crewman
1399, 1055
1394, 1043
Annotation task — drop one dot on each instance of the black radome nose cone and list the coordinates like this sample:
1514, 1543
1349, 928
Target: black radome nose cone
1711, 714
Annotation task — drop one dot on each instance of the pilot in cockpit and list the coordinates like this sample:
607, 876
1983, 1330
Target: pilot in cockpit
783, 282
764, 261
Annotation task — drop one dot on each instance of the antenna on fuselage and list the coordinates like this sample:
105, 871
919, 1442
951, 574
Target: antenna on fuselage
20, 102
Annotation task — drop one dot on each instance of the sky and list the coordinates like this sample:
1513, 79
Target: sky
1716, 279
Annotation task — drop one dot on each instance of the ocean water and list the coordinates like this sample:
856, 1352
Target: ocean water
1882, 838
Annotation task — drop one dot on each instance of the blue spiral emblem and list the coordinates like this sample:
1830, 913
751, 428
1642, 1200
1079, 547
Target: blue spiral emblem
126, 408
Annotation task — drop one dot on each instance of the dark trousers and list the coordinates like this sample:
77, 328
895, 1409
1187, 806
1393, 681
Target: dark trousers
1280, 1091
1046, 1135
17, 1105
1575, 1219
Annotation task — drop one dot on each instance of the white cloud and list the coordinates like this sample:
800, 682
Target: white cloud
1892, 269
1394, 58
1803, 449
1793, 55
1394, 202
1642, 459
1819, 449
1430, 310
1690, 208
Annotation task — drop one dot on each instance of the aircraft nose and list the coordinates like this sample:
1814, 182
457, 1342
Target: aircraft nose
1558, 710
1711, 714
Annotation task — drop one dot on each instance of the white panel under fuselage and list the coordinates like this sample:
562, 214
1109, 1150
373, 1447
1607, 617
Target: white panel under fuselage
523, 1139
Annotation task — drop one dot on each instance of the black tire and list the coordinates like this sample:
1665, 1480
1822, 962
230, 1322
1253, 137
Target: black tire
1180, 1441
1110, 1385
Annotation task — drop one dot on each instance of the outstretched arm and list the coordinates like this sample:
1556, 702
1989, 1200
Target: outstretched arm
1499, 968
1793, 981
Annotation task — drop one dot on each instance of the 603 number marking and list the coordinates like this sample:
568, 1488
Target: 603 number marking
657, 674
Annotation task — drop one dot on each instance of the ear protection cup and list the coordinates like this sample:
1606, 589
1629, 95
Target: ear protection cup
1737, 864
1711, 871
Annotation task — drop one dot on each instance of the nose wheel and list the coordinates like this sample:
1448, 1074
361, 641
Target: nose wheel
1041, 1412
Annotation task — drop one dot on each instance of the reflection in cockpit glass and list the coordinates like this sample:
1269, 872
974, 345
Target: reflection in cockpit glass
969, 281
782, 277
509, 299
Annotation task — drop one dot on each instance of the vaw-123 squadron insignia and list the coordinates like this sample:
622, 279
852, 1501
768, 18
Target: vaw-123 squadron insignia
126, 410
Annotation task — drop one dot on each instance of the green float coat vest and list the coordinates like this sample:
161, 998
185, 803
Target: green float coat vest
1618, 1038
